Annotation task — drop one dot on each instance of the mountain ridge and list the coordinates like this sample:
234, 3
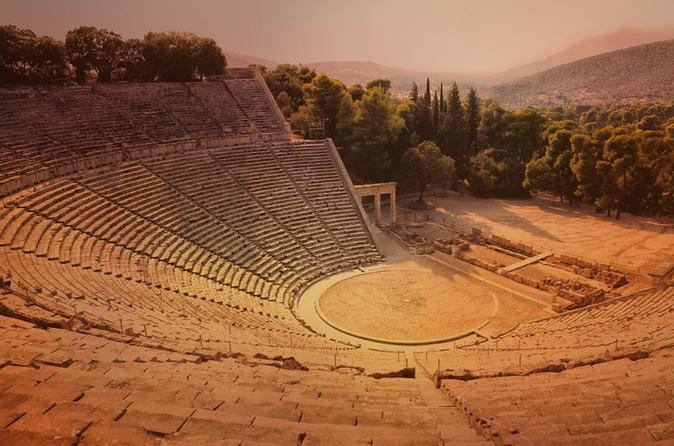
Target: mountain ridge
513, 87
602, 43
643, 73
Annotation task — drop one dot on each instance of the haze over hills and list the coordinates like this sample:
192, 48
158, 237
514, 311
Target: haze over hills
355, 72
363, 72
623, 38
643, 73
242, 61
520, 85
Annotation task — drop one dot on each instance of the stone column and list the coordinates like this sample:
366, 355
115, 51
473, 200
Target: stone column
394, 208
377, 208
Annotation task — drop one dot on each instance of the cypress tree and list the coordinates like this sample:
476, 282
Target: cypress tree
472, 120
436, 114
424, 115
453, 130
443, 106
414, 93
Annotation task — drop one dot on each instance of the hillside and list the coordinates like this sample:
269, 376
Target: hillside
643, 73
354, 72
496, 85
623, 38
242, 61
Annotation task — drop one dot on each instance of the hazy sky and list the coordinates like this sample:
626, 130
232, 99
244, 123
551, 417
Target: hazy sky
479, 36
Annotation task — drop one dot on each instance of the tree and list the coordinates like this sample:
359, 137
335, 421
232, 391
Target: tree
357, 92
49, 59
607, 188
585, 154
109, 51
384, 84
553, 171
134, 65
423, 115
169, 56
345, 122
210, 58
492, 125
505, 142
376, 130
90, 49
291, 80
451, 133
324, 97
472, 120
425, 166
656, 157
620, 157
648, 122
407, 138
488, 177
181, 57
414, 92
443, 104
284, 104
436, 114
539, 175
81, 49
559, 156
521, 137
303, 120
14, 43
24, 57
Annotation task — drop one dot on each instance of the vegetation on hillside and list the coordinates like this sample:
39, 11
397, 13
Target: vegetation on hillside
88, 52
618, 158
643, 73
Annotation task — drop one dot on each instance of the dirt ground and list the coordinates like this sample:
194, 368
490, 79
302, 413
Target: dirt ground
632, 241
415, 298
409, 305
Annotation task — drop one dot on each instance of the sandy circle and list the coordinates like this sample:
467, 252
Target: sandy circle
407, 305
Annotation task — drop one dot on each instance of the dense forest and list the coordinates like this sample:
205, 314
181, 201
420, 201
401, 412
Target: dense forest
618, 158
90, 53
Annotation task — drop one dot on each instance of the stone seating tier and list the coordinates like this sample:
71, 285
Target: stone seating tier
45, 126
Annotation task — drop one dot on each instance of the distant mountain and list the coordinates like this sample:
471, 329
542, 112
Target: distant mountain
643, 73
241, 61
499, 85
354, 72
624, 38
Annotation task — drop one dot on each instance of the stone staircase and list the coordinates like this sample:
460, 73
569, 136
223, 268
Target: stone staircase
451, 423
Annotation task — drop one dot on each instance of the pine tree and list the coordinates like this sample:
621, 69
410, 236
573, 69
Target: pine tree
427, 95
376, 127
585, 154
620, 152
